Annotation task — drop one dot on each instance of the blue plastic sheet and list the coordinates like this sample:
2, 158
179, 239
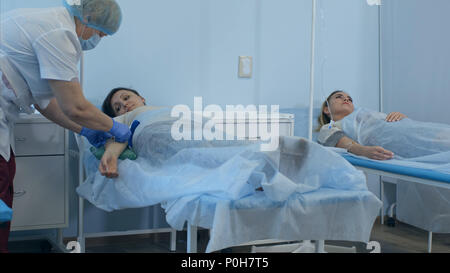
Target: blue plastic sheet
399, 167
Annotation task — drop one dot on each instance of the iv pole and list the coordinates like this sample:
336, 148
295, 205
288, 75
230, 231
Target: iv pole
380, 60
312, 72
320, 244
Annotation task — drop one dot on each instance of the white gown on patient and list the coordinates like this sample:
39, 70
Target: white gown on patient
407, 138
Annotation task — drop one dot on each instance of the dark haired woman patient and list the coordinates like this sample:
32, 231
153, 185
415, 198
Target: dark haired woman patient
337, 106
122, 104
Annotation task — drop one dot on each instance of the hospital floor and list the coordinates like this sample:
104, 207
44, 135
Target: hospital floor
402, 238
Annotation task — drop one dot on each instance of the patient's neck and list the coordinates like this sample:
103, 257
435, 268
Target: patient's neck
338, 118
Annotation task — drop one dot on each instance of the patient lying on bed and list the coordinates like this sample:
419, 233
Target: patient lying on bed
126, 105
232, 160
376, 135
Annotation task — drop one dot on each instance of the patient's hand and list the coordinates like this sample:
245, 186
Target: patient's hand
395, 116
108, 165
377, 153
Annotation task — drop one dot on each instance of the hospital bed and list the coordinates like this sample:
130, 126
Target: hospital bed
405, 175
243, 232
80, 151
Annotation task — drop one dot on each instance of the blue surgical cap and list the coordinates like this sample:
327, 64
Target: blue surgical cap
102, 15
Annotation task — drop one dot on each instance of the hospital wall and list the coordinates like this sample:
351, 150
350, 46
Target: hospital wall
416, 58
173, 50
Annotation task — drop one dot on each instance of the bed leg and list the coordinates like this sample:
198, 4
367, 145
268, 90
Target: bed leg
81, 176
81, 238
173, 240
381, 198
191, 238
430, 240
320, 246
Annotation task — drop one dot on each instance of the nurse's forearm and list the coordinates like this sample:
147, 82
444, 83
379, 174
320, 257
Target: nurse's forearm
75, 106
55, 114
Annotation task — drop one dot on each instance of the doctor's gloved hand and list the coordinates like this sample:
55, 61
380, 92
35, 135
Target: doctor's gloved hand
120, 131
96, 138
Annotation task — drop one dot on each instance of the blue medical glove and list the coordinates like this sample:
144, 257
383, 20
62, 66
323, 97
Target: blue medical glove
96, 138
120, 131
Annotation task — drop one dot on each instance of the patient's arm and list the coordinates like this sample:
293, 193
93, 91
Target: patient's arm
108, 162
373, 152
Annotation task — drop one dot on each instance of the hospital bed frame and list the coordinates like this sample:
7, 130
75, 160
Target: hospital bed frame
274, 245
409, 178
192, 247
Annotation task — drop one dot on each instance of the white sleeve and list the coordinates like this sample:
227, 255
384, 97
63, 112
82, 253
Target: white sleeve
58, 53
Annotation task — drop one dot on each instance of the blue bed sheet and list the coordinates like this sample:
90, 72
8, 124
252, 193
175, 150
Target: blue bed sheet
391, 166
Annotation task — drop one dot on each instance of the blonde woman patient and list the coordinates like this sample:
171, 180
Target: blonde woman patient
337, 106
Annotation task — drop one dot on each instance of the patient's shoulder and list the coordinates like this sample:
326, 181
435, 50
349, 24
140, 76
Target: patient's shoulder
329, 134
333, 126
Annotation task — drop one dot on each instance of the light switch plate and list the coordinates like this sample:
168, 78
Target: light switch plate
245, 66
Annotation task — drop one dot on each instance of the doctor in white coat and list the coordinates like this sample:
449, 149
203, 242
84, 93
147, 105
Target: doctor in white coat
39, 54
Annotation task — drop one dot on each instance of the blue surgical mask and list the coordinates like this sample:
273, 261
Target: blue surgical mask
91, 43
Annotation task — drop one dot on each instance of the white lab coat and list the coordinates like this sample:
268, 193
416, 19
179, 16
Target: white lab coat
39, 45
6, 133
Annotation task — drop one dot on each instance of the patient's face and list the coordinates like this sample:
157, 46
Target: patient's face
341, 104
125, 101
